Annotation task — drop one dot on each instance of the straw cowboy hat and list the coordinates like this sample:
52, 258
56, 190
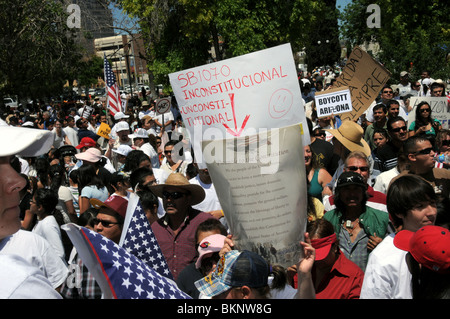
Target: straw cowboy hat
350, 134
178, 180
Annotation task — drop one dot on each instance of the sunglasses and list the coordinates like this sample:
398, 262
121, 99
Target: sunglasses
425, 110
446, 143
173, 195
105, 223
388, 92
425, 151
398, 129
361, 168
167, 152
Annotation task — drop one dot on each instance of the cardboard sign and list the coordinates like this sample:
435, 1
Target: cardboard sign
104, 130
440, 109
265, 214
333, 102
162, 106
239, 96
365, 78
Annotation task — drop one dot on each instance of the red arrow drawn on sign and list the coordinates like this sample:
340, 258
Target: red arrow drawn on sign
236, 132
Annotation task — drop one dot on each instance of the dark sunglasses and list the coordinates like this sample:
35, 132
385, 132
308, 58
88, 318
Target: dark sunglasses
425, 151
388, 92
425, 110
173, 195
446, 143
398, 129
167, 152
105, 223
361, 168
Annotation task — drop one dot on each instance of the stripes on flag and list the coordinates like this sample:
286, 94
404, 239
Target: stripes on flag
114, 103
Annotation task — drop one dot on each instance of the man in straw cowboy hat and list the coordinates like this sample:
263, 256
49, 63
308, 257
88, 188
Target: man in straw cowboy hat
175, 231
349, 137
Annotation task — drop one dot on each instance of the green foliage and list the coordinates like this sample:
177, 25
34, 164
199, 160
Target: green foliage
180, 33
36, 48
416, 32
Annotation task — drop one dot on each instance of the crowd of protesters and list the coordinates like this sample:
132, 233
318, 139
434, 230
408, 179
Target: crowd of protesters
376, 189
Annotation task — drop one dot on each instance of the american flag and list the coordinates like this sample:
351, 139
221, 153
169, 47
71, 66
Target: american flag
114, 103
119, 274
138, 238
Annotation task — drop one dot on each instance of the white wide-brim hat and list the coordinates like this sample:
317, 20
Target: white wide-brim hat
24, 141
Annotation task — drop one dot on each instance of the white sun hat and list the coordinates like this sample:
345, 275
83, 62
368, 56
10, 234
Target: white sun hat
24, 141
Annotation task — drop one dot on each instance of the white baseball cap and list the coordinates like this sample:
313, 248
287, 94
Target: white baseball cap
122, 126
120, 115
24, 141
123, 150
139, 133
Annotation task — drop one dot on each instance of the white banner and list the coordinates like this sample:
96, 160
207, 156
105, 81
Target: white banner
237, 96
261, 184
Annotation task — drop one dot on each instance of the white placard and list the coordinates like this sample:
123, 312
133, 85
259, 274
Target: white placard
239, 96
333, 102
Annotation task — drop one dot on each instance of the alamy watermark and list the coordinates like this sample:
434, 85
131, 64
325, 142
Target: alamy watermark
74, 18
374, 19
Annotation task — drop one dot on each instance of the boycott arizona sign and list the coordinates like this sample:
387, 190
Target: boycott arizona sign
333, 101
238, 96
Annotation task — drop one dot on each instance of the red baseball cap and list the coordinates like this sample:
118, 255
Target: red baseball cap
116, 203
86, 142
430, 246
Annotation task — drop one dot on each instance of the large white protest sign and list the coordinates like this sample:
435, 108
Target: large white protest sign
262, 191
439, 109
238, 96
333, 102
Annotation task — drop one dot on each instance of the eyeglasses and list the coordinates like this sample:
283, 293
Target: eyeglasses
388, 92
398, 129
425, 151
105, 223
355, 168
173, 195
446, 143
167, 152
425, 110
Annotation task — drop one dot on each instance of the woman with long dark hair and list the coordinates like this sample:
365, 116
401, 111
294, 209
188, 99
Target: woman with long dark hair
424, 123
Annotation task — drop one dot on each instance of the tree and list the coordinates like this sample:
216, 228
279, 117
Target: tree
35, 46
181, 33
413, 35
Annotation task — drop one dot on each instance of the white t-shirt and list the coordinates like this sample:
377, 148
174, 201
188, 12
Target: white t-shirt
72, 134
211, 201
167, 117
20, 280
38, 252
148, 149
383, 180
49, 229
387, 275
